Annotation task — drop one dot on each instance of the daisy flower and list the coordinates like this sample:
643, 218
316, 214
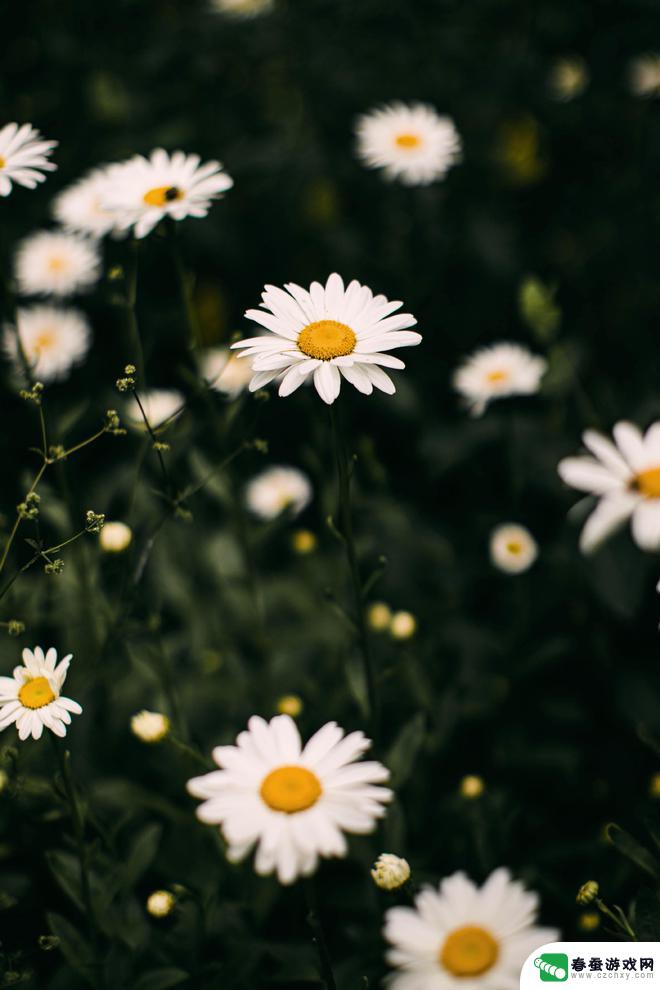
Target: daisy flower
159, 404
243, 8
141, 191
496, 372
329, 332
278, 489
32, 699
53, 262
625, 477
225, 372
513, 549
294, 803
410, 142
462, 936
79, 207
53, 340
23, 157
644, 75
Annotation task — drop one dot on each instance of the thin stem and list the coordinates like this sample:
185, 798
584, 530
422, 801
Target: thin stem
19, 518
619, 918
346, 524
131, 311
318, 937
155, 441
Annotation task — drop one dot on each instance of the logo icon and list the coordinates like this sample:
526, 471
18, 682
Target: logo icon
552, 967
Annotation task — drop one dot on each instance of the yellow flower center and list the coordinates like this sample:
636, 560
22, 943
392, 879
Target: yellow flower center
496, 376
326, 339
290, 789
162, 195
2, 162
408, 140
42, 342
647, 483
469, 951
514, 546
36, 693
56, 264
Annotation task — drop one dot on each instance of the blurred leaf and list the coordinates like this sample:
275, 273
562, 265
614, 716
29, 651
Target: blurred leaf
647, 916
161, 979
142, 852
66, 870
403, 753
536, 303
633, 850
74, 947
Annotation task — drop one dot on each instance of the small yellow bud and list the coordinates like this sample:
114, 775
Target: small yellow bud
379, 616
588, 892
290, 704
160, 903
472, 786
403, 625
589, 921
303, 541
654, 786
390, 872
150, 727
115, 537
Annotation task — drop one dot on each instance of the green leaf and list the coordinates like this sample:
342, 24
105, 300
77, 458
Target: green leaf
74, 947
66, 870
161, 979
405, 748
142, 853
634, 850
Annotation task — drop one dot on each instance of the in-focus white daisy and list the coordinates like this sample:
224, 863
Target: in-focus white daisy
329, 332
32, 699
294, 803
141, 191
79, 207
409, 141
276, 490
53, 340
513, 549
159, 404
644, 75
463, 936
56, 263
23, 157
496, 372
225, 372
626, 480
243, 8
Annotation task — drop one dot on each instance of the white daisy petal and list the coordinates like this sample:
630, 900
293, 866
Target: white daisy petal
411, 143
23, 157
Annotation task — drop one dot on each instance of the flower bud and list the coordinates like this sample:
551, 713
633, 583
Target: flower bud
588, 892
160, 903
390, 872
150, 727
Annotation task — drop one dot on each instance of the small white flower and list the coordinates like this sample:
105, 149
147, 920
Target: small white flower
23, 157
159, 404
32, 699
626, 480
569, 77
462, 936
79, 207
150, 727
56, 263
225, 372
410, 142
329, 332
513, 549
142, 191
496, 372
115, 537
390, 872
53, 340
294, 803
644, 75
243, 8
160, 903
276, 490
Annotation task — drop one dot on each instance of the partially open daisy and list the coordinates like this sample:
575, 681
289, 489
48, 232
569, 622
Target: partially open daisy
276, 490
53, 340
294, 803
32, 697
225, 372
410, 142
513, 549
329, 332
464, 936
141, 191
80, 208
53, 262
23, 157
625, 476
160, 405
496, 372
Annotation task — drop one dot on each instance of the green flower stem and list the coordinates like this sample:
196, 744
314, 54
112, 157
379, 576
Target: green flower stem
619, 919
130, 309
163, 467
318, 937
17, 522
346, 524
63, 757
190, 752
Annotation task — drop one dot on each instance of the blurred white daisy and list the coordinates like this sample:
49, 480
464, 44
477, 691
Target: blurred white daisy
32, 699
23, 157
53, 340
159, 404
568, 78
115, 537
56, 263
462, 936
513, 549
141, 191
410, 142
644, 75
496, 372
225, 372
243, 8
295, 803
276, 490
625, 478
79, 207
329, 332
